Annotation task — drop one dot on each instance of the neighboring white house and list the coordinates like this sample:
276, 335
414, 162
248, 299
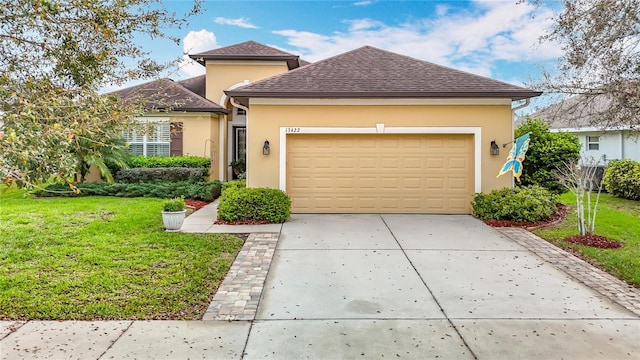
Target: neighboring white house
598, 141
608, 144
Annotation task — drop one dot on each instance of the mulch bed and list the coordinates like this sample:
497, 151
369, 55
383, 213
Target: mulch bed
563, 210
244, 222
594, 240
554, 219
196, 204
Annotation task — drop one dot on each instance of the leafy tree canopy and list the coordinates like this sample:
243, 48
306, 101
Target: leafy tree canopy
601, 61
55, 55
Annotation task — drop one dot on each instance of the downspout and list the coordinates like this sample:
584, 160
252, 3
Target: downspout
246, 157
526, 103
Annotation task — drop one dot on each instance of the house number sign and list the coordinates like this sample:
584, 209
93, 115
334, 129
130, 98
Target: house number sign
292, 130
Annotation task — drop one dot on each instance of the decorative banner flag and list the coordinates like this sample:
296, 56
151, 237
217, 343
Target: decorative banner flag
516, 156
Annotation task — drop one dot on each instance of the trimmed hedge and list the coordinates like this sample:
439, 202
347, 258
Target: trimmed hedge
260, 204
206, 191
234, 184
528, 204
168, 174
140, 161
622, 179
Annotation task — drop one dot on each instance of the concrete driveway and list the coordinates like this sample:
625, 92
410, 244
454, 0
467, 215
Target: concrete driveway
424, 287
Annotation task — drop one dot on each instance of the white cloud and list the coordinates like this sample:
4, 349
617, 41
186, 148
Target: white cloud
240, 22
195, 42
362, 3
470, 39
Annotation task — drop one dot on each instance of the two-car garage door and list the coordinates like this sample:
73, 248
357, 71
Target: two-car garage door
388, 173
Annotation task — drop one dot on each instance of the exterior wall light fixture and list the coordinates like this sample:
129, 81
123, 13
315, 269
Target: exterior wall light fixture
495, 149
265, 148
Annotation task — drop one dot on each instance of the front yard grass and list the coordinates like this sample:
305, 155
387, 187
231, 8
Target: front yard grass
617, 219
104, 258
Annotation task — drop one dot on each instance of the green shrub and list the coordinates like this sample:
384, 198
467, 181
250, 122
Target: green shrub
529, 204
140, 161
206, 191
175, 204
622, 179
261, 204
547, 152
168, 174
234, 184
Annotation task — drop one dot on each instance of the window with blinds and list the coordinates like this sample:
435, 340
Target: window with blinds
149, 137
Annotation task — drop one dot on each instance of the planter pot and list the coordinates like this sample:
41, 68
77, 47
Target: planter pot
173, 220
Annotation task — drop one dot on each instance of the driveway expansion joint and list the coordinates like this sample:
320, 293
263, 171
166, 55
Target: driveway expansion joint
240, 292
600, 281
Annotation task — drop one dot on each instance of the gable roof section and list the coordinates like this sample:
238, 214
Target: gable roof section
370, 72
164, 94
249, 50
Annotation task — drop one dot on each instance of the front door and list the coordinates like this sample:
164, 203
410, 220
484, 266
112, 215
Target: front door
240, 150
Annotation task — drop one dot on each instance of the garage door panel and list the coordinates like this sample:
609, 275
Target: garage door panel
458, 183
389, 163
380, 173
411, 162
457, 163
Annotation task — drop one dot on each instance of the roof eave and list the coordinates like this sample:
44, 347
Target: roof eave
187, 109
202, 58
513, 95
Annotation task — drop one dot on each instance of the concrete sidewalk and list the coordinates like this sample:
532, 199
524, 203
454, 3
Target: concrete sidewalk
380, 286
202, 221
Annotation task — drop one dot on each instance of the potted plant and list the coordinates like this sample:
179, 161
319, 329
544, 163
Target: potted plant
173, 213
238, 166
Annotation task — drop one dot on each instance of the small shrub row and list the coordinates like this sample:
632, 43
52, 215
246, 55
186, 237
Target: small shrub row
168, 161
260, 204
528, 204
163, 174
622, 179
206, 191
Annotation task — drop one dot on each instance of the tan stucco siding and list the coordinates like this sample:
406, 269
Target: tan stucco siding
223, 74
265, 121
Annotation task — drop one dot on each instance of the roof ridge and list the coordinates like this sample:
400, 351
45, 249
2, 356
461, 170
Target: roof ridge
248, 42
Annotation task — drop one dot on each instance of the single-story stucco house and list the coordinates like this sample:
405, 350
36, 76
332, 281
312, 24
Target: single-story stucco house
587, 120
366, 131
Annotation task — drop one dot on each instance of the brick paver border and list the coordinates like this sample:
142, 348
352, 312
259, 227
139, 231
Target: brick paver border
240, 291
602, 282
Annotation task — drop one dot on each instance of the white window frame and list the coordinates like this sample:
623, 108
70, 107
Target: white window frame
146, 122
591, 141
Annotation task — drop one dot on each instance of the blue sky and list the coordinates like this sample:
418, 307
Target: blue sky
493, 38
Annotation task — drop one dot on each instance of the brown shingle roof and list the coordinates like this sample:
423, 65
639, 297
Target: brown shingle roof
369, 72
248, 50
196, 84
166, 94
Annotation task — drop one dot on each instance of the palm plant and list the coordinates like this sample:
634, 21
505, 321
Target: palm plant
103, 154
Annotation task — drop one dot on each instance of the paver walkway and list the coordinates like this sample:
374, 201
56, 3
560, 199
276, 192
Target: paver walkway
239, 294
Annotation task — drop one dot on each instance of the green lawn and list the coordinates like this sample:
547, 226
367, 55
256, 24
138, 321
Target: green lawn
104, 258
617, 219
